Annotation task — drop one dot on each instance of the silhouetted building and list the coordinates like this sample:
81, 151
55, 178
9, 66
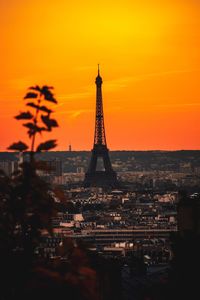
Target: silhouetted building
100, 172
188, 216
51, 168
8, 167
186, 248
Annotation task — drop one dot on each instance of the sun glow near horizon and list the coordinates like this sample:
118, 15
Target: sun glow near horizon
149, 57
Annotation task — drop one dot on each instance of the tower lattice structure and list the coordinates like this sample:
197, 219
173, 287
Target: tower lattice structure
106, 177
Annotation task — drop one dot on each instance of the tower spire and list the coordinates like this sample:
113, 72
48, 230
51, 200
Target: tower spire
98, 70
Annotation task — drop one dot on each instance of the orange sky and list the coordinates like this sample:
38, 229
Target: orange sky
149, 52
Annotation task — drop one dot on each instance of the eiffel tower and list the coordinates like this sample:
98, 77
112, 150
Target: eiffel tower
105, 178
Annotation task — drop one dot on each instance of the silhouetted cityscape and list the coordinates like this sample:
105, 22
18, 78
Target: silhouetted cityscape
132, 227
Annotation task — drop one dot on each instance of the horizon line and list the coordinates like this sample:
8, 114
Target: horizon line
86, 150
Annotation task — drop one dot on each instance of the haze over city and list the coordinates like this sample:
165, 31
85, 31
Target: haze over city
149, 57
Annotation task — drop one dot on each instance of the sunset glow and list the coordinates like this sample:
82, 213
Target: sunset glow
149, 55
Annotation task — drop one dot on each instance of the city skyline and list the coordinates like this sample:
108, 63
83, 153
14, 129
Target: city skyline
149, 57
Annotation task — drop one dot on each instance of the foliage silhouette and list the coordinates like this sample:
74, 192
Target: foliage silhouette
27, 207
38, 121
27, 202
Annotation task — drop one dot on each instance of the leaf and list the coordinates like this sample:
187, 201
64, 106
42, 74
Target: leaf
33, 128
48, 95
46, 145
31, 104
20, 146
47, 87
35, 88
24, 116
45, 109
49, 122
41, 89
29, 125
42, 108
30, 95
45, 91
